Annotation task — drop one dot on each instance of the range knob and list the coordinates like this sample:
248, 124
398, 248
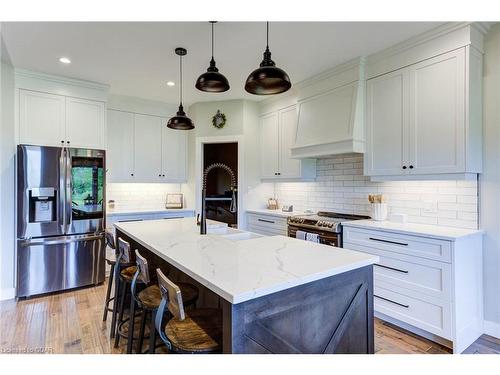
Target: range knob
330, 225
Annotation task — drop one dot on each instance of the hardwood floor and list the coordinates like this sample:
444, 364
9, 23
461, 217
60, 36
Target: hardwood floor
71, 322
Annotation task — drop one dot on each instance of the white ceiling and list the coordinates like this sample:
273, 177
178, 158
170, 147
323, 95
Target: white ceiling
137, 58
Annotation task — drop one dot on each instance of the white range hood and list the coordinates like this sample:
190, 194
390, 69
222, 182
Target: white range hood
331, 113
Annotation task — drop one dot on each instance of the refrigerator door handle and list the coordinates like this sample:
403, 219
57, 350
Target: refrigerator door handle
60, 240
62, 191
68, 190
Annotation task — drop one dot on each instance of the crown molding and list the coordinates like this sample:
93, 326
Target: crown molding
60, 79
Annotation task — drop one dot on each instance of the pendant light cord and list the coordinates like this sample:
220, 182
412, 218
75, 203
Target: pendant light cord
267, 34
181, 77
212, 40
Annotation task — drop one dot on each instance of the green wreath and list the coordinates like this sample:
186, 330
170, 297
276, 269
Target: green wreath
219, 120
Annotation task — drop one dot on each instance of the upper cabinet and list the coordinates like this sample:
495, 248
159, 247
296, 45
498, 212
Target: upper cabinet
41, 118
59, 111
278, 135
418, 119
55, 120
424, 109
142, 149
120, 147
85, 123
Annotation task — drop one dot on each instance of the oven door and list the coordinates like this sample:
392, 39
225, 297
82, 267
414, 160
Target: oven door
325, 238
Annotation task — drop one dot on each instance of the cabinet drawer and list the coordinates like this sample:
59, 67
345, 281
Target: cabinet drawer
267, 221
266, 231
428, 315
422, 275
398, 243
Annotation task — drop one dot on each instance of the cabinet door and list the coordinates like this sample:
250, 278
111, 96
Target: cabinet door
85, 123
387, 124
174, 154
147, 155
288, 167
437, 114
120, 146
269, 145
41, 118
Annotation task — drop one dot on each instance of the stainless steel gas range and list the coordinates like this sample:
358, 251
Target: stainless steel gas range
328, 225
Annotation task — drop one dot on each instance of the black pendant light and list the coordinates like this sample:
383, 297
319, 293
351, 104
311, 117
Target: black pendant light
268, 79
212, 80
180, 121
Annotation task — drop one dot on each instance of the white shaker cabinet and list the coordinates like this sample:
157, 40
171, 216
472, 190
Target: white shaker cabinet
269, 145
85, 121
174, 153
120, 147
386, 138
147, 150
437, 114
424, 119
142, 149
278, 134
55, 120
41, 118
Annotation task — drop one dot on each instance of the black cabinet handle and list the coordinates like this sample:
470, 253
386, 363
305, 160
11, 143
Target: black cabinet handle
391, 268
266, 221
404, 166
391, 301
159, 175
132, 174
392, 242
62, 142
67, 142
411, 166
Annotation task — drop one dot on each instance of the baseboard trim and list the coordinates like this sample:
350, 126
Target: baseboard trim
7, 293
491, 328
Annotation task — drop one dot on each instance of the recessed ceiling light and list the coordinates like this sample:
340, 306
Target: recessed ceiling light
65, 60
170, 83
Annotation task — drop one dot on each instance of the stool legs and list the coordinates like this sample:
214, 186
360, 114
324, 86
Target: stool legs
152, 333
121, 309
115, 307
108, 293
131, 324
141, 332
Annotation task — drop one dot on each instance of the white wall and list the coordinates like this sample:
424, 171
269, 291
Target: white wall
490, 181
140, 195
7, 170
341, 186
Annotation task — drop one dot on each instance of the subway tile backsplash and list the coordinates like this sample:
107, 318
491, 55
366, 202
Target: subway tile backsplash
340, 186
140, 195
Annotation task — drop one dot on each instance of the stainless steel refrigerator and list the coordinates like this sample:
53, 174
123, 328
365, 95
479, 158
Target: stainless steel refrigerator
60, 218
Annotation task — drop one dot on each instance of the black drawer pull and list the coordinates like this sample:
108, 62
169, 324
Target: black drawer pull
391, 301
266, 221
391, 268
393, 242
129, 221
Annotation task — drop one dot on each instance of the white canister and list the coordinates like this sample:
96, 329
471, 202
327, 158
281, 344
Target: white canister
379, 211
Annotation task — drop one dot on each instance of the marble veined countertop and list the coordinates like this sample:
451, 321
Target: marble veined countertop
237, 265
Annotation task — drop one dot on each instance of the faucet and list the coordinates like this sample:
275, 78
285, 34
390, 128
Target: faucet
233, 206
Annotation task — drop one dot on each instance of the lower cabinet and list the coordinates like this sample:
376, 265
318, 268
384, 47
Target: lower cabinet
430, 286
267, 225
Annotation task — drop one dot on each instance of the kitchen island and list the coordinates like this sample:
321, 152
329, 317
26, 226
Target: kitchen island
278, 294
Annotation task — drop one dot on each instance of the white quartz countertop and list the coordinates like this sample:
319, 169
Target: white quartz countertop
244, 269
423, 230
138, 210
279, 213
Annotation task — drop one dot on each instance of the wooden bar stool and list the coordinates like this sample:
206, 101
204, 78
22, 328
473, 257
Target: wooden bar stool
124, 272
149, 300
194, 331
111, 260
